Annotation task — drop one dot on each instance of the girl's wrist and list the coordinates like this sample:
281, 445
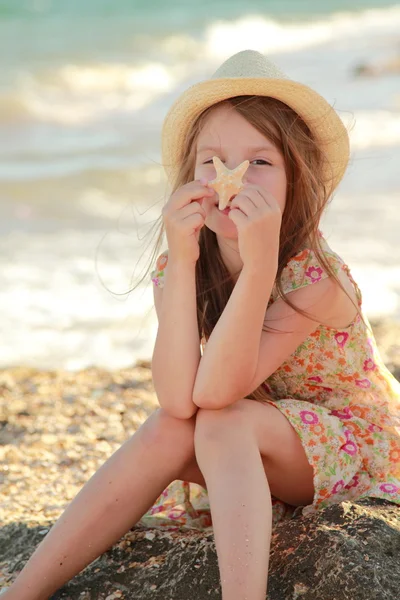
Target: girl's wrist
180, 264
253, 271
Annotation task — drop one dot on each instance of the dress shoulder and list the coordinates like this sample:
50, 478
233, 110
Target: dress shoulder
305, 268
158, 274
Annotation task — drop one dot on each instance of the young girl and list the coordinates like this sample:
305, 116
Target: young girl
272, 391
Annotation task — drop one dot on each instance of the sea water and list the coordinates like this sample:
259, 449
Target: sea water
84, 88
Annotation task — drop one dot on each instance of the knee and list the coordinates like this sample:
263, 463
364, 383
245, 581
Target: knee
162, 428
213, 426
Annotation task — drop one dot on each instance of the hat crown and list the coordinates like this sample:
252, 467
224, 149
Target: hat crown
249, 64
249, 73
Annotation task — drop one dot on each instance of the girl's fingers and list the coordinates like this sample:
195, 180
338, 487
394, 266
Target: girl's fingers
190, 209
187, 193
195, 222
259, 197
245, 204
237, 216
257, 194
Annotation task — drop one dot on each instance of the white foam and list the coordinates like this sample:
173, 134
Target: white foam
58, 312
61, 313
269, 36
373, 128
77, 94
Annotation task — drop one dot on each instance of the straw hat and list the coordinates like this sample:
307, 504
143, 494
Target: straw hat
251, 73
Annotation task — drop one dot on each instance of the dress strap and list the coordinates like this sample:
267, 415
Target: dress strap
357, 289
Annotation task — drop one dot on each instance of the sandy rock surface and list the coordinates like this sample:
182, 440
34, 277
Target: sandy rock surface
57, 428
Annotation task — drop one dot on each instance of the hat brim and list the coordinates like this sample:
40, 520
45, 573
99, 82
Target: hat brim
320, 116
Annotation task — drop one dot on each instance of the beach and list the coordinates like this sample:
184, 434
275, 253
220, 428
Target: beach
83, 94
58, 427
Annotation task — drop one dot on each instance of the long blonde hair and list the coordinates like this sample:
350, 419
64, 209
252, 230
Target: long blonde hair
308, 193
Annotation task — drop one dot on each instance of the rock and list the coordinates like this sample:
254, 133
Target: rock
349, 551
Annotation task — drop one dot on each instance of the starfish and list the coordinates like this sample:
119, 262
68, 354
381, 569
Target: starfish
227, 183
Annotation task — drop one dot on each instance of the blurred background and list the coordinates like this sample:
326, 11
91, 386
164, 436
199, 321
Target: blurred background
84, 88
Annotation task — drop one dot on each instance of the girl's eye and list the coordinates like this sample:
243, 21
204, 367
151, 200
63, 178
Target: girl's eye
256, 160
265, 162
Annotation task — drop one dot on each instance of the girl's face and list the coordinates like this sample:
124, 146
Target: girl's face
229, 136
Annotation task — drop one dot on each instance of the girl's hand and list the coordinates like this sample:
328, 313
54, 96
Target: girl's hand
258, 217
183, 217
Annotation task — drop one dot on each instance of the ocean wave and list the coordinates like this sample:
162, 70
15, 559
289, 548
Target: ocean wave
86, 92
270, 36
64, 331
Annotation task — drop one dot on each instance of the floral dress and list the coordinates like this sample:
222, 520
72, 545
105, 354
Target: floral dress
340, 398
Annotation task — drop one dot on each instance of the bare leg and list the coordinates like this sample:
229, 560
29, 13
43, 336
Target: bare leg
108, 505
241, 510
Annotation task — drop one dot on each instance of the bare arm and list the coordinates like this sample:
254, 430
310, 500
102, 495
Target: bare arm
323, 300
176, 354
230, 357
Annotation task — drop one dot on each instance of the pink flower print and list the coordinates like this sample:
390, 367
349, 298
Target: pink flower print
363, 383
389, 488
156, 280
374, 428
350, 448
369, 365
176, 514
353, 483
348, 434
339, 485
342, 414
308, 417
314, 273
341, 338
156, 509
315, 378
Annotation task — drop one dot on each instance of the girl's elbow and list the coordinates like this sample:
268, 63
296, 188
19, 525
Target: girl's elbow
211, 401
202, 398
217, 398
178, 405
202, 402
179, 412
